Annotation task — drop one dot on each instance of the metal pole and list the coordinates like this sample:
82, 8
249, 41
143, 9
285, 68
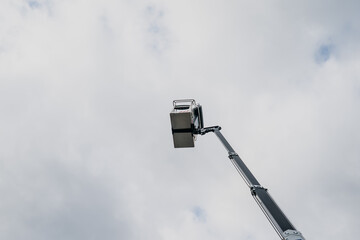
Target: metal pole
273, 213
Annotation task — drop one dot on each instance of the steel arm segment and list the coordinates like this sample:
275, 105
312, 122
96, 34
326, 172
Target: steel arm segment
277, 218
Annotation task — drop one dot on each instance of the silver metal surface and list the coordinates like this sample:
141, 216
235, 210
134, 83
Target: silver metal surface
182, 119
183, 140
191, 101
241, 172
293, 235
268, 215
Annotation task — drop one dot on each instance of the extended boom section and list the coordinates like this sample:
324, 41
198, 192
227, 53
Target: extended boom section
277, 218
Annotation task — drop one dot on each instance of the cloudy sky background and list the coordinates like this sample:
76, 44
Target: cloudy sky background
86, 88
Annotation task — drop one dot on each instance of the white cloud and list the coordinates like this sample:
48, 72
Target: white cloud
86, 89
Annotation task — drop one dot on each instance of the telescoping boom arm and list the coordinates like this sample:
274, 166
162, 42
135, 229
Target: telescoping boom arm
187, 121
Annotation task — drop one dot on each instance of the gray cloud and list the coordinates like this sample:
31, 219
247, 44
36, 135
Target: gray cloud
86, 89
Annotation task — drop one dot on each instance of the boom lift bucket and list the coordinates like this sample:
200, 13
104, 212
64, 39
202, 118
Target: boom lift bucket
186, 120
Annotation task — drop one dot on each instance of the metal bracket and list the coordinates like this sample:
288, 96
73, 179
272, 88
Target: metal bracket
232, 155
292, 235
255, 187
206, 130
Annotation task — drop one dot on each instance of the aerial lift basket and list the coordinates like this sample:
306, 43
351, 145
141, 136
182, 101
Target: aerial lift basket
186, 120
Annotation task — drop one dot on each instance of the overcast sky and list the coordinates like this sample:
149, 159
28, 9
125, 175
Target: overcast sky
86, 88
